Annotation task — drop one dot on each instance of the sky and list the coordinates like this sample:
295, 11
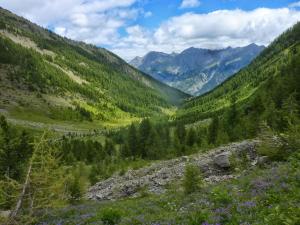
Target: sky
132, 28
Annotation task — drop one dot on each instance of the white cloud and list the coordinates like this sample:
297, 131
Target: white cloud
99, 22
92, 21
213, 30
294, 5
189, 4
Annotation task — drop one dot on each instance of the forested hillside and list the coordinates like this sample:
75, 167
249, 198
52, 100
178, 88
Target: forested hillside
267, 90
45, 78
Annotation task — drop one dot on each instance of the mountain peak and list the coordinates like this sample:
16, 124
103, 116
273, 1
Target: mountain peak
205, 68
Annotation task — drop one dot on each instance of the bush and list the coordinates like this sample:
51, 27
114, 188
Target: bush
192, 179
221, 195
272, 145
110, 216
197, 218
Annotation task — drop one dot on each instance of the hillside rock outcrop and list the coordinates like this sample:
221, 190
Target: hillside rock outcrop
215, 165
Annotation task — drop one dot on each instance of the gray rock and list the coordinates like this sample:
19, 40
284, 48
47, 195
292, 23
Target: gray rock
262, 160
222, 160
155, 177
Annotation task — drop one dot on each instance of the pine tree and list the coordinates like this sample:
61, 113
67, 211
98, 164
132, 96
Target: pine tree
109, 147
192, 179
132, 142
213, 130
191, 137
144, 133
125, 151
180, 132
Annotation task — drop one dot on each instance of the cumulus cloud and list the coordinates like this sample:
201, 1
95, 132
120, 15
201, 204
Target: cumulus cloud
189, 4
92, 21
213, 30
99, 22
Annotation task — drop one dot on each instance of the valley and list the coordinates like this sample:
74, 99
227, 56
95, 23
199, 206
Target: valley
86, 138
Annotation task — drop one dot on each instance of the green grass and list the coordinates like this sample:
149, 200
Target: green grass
251, 199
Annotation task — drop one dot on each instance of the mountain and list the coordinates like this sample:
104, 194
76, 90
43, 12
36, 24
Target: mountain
262, 91
46, 78
196, 71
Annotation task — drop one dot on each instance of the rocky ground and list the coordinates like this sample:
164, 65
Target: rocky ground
216, 165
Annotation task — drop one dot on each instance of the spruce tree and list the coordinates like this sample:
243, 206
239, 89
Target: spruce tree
213, 130
132, 142
191, 137
144, 133
180, 132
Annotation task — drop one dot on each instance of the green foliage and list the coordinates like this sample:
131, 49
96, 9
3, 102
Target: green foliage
15, 149
133, 145
192, 179
75, 184
261, 196
105, 86
191, 137
221, 196
110, 216
213, 131
196, 218
272, 145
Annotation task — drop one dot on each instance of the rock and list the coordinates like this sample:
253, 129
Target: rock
185, 158
5, 214
262, 160
155, 177
222, 160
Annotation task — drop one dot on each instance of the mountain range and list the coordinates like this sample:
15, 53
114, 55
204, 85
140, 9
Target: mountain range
195, 70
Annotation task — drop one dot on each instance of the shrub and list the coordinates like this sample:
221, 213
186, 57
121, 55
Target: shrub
197, 218
110, 216
272, 145
220, 195
192, 179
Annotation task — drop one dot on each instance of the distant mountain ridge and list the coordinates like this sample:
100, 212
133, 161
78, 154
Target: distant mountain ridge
195, 70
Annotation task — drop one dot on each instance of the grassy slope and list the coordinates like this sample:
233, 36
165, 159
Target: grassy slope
47, 78
246, 83
251, 199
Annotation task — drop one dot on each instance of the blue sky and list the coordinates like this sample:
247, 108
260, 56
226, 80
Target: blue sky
134, 27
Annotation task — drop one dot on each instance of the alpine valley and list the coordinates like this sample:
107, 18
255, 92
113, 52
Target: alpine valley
86, 138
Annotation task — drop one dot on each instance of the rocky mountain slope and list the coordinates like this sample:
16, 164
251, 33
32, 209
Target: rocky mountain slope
216, 165
196, 71
50, 79
254, 91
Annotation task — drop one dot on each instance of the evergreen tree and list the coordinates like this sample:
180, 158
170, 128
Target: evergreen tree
213, 130
191, 137
153, 145
132, 142
180, 132
94, 174
15, 150
109, 148
192, 179
125, 151
144, 133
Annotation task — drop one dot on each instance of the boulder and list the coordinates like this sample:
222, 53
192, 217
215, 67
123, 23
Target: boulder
222, 160
262, 160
